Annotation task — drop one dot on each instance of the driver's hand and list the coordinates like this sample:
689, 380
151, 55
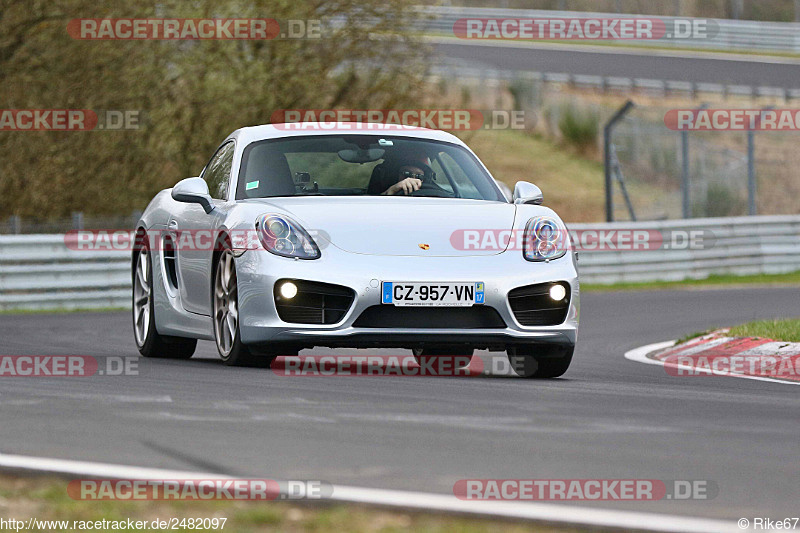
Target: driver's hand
407, 186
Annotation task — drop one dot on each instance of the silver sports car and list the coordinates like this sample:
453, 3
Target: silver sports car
353, 236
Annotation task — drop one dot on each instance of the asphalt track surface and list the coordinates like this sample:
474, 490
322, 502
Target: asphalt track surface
646, 64
607, 418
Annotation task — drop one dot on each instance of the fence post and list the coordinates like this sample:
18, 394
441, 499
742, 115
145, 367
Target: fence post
607, 132
685, 197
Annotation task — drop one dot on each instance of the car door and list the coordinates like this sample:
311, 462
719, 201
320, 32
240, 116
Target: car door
197, 230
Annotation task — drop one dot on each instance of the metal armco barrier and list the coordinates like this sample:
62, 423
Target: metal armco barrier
40, 272
733, 34
738, 245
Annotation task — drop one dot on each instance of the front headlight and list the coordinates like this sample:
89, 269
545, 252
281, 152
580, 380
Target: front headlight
283, 236
545, 239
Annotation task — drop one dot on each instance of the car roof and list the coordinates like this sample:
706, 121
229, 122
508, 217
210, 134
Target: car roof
245, 136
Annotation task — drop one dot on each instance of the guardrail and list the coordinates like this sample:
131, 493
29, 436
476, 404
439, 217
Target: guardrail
739, 246
41, 272
733, 34
452, 70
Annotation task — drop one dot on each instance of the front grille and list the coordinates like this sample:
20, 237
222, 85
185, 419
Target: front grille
315, 303
389, 316
533, 306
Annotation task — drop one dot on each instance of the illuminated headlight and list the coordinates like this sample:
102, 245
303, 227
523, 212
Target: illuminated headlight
283, 236
545, 239
289, 290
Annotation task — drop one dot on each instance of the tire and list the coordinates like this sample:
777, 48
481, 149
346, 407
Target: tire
148, 341
225, 302
541, 361
433, 354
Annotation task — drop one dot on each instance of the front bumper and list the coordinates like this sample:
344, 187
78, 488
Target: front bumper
259, 323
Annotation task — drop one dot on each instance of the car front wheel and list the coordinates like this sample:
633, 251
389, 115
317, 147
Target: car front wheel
540, 361
226, 316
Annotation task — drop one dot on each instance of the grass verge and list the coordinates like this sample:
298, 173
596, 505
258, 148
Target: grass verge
572, 183
787, 330
45, 498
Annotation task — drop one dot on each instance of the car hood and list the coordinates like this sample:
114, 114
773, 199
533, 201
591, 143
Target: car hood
425, 227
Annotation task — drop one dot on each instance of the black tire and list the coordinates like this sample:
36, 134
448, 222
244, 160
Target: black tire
541, 361
239, 354
148, 341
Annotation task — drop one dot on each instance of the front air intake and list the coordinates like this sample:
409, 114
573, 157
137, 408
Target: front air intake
313, 302
533, 305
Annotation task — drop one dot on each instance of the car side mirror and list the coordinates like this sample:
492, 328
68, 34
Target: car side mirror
527, 193
193, 191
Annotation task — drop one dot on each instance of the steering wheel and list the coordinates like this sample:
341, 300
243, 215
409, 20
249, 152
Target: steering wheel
429, 188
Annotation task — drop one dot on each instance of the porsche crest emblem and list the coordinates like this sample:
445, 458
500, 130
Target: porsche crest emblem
425, 246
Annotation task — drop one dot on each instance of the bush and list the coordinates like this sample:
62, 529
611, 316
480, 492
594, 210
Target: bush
579, 128
721, 201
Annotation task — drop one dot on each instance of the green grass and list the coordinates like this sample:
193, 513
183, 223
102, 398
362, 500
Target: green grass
780, 330
713, 281
687, 338
46, 499
572, 183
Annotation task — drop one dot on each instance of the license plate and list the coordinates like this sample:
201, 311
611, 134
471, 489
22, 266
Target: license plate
432, 294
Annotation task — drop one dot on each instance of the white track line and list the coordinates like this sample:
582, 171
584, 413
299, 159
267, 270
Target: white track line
640, 356
544, 512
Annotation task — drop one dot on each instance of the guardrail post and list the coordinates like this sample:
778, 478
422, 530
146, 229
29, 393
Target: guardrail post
15, 224
607, 132
77, 220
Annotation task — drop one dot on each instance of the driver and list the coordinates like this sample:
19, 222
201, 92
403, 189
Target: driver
409, 176
409, 180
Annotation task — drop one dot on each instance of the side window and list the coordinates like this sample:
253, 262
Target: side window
218, 172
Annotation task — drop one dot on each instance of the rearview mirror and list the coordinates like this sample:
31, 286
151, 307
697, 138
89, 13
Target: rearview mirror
193, 191
361, 155
527, 193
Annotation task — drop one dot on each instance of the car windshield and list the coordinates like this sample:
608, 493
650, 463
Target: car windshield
357, 165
